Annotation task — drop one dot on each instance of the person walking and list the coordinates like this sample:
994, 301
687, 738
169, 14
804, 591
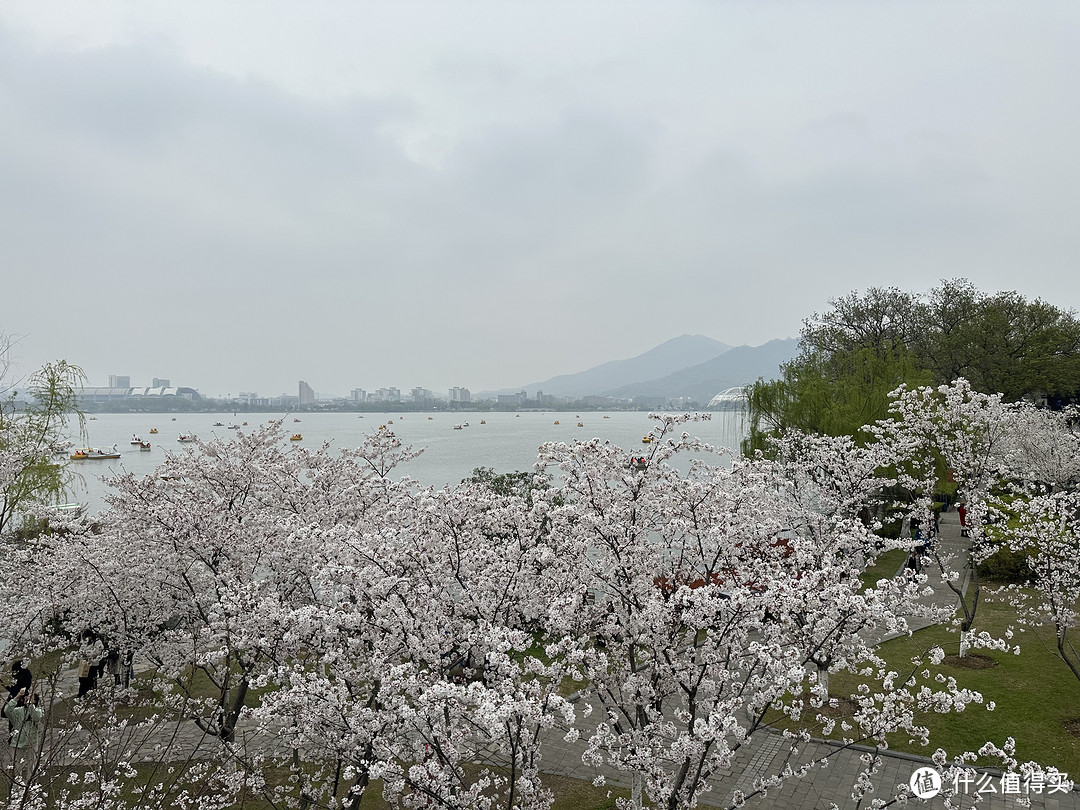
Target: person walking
918, 548
91, 655
961, 510
26, 716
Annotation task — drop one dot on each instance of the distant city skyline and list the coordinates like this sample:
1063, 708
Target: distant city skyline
306, 393
482, 194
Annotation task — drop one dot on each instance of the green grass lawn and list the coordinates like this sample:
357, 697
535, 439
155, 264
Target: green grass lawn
1035, 693
884, 567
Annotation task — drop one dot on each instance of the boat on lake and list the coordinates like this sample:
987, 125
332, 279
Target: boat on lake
296, 437
92, 453
135, 439
144, 447
186, 438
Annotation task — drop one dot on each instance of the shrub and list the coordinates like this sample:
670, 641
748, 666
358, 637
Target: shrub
1005, 566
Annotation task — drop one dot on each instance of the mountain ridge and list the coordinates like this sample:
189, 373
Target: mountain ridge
740, 365
691, 366
671, 355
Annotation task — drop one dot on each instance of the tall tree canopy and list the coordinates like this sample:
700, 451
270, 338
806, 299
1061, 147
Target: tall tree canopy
869, 343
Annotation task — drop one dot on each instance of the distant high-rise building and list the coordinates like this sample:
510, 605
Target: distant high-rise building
390, 394
420, 395
307, 395
160, 382
119, 381
358, 395
460, 394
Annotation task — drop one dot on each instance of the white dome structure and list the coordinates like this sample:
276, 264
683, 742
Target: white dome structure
733, 399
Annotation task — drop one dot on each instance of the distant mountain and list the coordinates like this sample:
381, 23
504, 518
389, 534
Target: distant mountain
738, 366
671, 356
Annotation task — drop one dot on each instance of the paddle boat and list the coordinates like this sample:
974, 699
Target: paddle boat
91, 453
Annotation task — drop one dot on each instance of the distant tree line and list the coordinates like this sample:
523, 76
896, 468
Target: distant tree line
869, 343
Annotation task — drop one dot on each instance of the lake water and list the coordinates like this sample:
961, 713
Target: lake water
507, 441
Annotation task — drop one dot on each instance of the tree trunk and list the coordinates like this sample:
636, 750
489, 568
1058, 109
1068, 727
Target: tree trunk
228, 723
635, 791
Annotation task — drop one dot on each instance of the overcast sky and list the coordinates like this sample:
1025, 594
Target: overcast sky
237, 196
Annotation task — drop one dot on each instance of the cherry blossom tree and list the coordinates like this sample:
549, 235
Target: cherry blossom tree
705, 605
313, 614
956, 430
1046, 528
1041, 448
183, 569
427, 657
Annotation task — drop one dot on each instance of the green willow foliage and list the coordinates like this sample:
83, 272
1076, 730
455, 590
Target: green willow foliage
29, 435
869, 343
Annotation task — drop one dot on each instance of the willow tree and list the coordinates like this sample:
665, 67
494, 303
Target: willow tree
831, 394
30, 430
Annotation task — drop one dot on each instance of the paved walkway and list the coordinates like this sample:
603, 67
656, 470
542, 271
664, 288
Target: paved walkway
766, 754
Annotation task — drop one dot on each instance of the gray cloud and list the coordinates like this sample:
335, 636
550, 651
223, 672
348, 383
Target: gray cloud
485, 207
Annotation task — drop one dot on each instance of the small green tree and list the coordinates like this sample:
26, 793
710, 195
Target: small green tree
30, 431
517, 483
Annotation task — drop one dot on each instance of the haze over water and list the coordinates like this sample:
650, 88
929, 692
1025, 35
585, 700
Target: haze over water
507, 442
